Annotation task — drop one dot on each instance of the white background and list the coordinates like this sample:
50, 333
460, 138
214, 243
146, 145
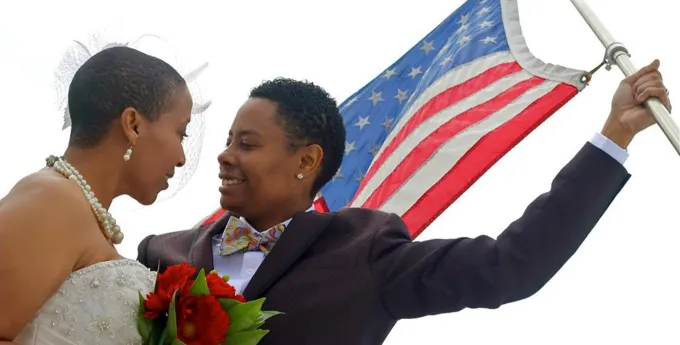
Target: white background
621, 287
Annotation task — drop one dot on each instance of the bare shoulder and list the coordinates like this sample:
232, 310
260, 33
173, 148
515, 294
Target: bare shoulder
44, 197
44, 207
44, 215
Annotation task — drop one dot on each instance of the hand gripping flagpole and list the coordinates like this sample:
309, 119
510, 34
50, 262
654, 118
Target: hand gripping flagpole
616, 53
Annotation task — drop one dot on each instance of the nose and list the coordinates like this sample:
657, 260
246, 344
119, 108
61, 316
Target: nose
182, 160
226, 157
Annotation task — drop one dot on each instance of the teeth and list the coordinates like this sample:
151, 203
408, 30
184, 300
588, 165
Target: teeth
229, 182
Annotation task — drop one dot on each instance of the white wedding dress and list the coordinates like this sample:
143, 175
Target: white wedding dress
96, 305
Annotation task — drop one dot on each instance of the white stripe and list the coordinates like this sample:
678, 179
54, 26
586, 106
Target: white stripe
520, 50
430, 125
452, 78
449, 154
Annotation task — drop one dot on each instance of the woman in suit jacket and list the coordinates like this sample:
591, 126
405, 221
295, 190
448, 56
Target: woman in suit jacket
347, 277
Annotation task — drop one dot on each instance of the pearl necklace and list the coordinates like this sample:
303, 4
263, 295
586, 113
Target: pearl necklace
107, 223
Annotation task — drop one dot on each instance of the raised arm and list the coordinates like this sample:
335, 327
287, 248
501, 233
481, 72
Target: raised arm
40, 228
416, 279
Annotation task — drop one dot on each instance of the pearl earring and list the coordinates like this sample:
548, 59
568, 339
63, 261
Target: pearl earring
128, 154
299, 176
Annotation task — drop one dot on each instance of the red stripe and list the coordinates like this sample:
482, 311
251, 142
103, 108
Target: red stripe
320, 205
425, 149
484, 154
437, 104
215, 216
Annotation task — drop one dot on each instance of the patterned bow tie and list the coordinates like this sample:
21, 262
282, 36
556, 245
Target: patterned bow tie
239, 237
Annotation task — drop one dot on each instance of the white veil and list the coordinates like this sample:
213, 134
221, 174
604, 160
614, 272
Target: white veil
153, 45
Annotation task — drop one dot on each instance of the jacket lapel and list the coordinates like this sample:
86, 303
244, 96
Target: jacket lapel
201, 254
303, 230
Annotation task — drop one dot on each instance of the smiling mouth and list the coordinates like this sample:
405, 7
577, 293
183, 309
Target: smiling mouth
231, 182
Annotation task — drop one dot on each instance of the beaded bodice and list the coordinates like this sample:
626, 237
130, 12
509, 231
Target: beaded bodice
95, 305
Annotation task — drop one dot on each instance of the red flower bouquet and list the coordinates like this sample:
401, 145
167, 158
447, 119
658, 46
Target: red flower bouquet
206, 311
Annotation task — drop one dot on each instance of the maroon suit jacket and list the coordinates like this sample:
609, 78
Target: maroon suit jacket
347, 277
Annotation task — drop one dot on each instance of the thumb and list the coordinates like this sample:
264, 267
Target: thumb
642, 71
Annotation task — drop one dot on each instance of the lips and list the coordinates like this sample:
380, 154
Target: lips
231, 182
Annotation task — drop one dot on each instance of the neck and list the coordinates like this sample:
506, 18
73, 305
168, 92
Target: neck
99, 169
267, 221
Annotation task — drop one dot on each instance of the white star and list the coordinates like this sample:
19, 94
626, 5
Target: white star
483, 11
352, 101
349, 147
462, 28
363, 121
389, 73
486, 24
414, 72
445, 61
376, 97
488, 40
464, 39
401, 95
427, 47
360, 177
374, 150
464, 19
388, 123
338, 175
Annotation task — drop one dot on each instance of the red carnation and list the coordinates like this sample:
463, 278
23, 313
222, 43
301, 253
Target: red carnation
201, 320
174, 278
221, 289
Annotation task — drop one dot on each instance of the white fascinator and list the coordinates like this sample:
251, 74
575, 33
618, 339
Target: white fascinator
81, 50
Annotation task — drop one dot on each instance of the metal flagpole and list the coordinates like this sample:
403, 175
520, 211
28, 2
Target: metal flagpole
616, 53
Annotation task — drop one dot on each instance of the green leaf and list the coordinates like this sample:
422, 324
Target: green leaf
266, 314
200, 285
144, 325
164, 338
244, 315
177, 342
157, 331
261, 318
228, 303
246, 337
171, 326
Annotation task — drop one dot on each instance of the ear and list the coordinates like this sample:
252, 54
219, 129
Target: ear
310, 160
130, 121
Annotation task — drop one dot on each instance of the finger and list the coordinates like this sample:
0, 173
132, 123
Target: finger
647, 80
654, 66
655, 92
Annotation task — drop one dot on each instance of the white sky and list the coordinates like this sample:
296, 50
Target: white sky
620, 287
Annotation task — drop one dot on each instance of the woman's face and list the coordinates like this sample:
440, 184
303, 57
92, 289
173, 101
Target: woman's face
158, 150
258, 168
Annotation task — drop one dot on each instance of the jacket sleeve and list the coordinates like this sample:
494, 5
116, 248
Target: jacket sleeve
141, 251
416, 279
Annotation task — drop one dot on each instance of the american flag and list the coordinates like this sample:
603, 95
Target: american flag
425, 129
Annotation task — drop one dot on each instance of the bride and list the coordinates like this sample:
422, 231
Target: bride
63, 282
